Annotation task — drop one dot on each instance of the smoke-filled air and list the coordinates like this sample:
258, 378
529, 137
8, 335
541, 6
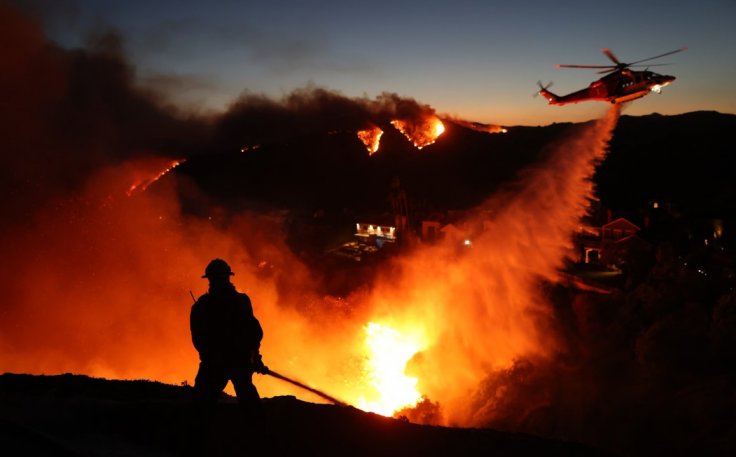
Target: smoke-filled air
101, 252
99, 267
481, 309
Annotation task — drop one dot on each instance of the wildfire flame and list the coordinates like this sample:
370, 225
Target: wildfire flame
456, 318
389, 351
371, 137
141, 184
496, 325
421, 132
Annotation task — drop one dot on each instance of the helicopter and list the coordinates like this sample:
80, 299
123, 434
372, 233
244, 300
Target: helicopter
620, 84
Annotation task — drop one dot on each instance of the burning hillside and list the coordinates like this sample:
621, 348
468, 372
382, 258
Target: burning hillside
116, 247
371, 137
108, 235
259, 119
104, 254
141, 183
421, 133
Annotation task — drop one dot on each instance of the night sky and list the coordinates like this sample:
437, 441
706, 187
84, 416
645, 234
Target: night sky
479, 60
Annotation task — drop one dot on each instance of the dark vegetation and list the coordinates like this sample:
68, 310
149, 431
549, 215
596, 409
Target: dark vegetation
684, 160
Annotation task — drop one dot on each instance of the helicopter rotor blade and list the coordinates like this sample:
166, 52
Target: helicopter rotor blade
653, 65
560, 65
661, 55
610, 55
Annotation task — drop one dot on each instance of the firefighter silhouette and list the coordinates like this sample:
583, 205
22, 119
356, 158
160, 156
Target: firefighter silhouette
227, 336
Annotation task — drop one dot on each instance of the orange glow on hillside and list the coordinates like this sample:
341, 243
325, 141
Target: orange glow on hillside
118, 272
421, 132
371, 137
141, 183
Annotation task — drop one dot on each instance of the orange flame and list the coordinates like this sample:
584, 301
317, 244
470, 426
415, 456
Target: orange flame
479, 310
142, 183
449, 317
421, 133
389, 351
371, 137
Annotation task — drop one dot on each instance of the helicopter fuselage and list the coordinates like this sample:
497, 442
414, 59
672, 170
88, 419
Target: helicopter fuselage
618, 87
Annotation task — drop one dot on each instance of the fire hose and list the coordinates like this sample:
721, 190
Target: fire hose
319, 393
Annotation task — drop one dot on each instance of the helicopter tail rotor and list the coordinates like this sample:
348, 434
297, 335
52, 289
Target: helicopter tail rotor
549, 96
542, 87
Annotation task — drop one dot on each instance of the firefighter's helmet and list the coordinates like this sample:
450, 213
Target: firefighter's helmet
217, 268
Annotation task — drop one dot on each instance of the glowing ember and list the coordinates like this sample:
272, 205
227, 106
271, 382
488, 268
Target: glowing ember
371, 138
389, 352
142, 184
421, 133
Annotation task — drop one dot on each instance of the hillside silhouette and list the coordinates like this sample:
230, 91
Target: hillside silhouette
74, 415
685, 160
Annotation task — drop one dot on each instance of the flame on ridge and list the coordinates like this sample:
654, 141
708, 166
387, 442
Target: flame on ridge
371, 137
475, 313
141, 184
422, 132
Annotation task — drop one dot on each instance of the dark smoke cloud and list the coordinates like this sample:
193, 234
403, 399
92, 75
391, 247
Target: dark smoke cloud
256, 118
70, 112
95, 281
67, 113
89, 275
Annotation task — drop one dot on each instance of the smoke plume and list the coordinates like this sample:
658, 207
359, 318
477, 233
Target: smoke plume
256, 119
96, 278
67, 113
98, 265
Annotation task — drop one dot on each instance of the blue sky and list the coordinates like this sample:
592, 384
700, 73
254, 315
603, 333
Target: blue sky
478, 60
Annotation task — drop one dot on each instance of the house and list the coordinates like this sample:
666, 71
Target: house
607, 244
366, 230
618, 229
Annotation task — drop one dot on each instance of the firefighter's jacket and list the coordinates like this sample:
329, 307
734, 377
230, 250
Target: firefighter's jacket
224, 328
